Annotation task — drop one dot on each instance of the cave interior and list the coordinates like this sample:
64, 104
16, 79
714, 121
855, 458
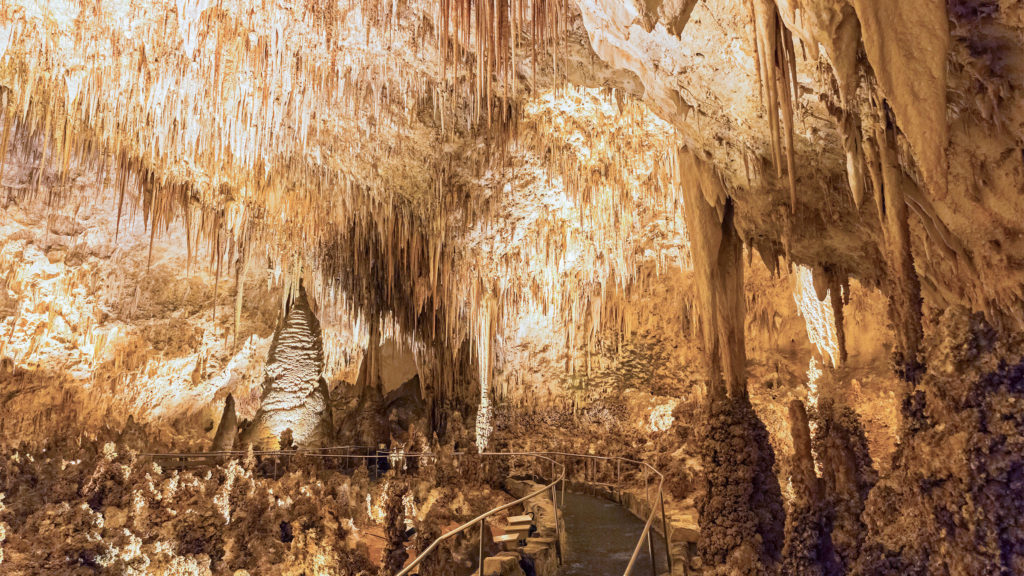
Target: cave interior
360, 287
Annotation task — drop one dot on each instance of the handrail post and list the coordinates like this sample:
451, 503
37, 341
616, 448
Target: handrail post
558, 530
480, 565
647, 488
618, 470
650, 551
664, 527
563, 480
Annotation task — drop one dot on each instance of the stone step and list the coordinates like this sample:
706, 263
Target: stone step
523, 530
502, 564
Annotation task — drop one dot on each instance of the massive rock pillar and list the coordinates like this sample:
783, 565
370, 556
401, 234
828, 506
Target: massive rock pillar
952, 502
295, 396
904, 286
741, 513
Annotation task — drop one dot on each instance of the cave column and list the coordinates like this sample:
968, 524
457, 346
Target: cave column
741, 512
904, 285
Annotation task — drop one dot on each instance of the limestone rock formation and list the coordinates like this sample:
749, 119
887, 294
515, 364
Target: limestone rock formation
951, 503
848, 475
808, 545
579, 223
741, 513
295, 395
227, 429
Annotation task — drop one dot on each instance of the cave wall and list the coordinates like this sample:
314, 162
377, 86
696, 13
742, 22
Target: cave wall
100, 311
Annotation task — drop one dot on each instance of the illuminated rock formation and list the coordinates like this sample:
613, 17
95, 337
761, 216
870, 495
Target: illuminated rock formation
808, 545
741, 513
227, 429
295, 395
847, 475
951, 502
611, 226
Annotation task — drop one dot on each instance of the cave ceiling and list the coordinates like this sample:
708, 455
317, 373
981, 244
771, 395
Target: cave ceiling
455, 165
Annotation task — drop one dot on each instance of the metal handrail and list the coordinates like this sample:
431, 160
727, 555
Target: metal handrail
644, 535
483, 517
327, 452
303, 451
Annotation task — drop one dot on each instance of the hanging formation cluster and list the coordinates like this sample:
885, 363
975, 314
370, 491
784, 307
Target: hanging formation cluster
321, 134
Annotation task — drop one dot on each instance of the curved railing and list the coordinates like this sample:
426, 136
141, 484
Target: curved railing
558, 476
645, 536
481, 519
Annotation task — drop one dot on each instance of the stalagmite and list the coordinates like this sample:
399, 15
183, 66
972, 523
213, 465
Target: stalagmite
808, 549
224, 439
847, 475
805, 479
294, 392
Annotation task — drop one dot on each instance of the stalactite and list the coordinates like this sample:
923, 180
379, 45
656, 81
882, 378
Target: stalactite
371, 426
240, 268
913, 81
852, 144
718, 264
777, 74
839, 292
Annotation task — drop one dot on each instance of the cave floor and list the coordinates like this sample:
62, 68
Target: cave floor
600, 538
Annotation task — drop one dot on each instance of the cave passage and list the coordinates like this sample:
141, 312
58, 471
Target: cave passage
600, 537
